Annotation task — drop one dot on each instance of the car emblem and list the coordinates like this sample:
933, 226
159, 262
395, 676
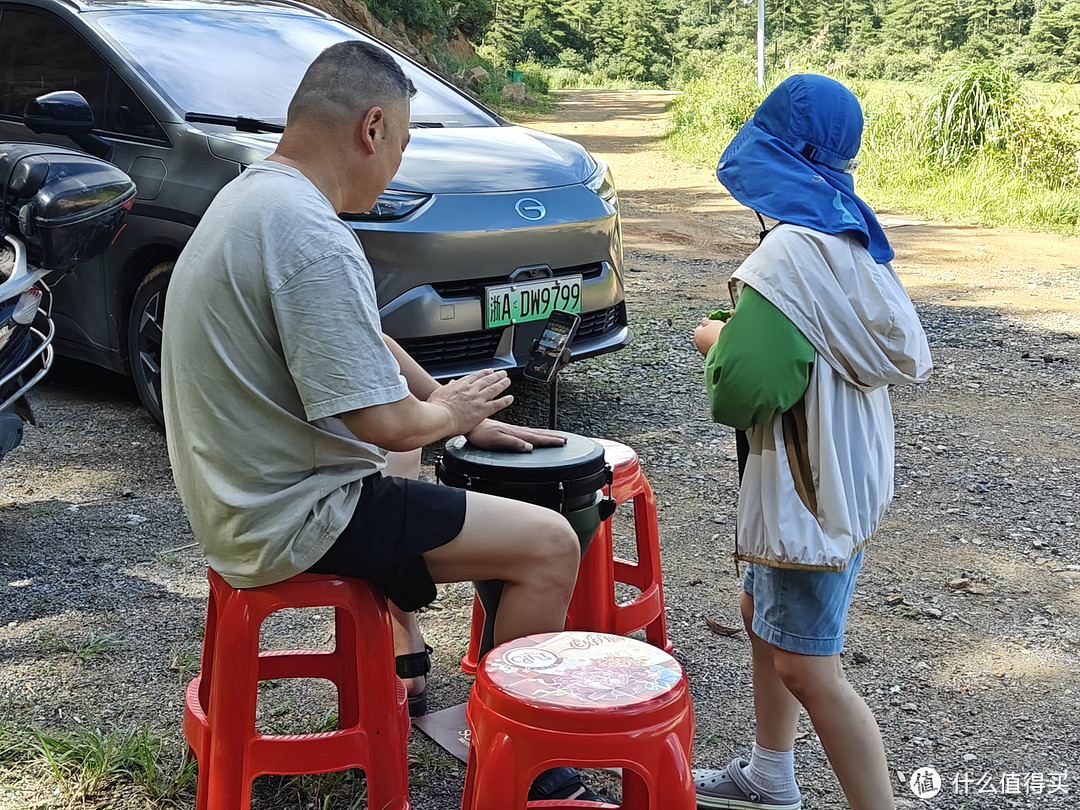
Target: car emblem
528, 208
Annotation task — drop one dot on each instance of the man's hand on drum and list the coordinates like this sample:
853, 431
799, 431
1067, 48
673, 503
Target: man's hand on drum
473, 398
492, 435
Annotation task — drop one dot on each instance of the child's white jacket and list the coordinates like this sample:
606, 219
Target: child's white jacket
819, 476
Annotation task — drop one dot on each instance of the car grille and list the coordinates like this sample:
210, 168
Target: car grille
474, 287
461, 348
597, 323
478, 347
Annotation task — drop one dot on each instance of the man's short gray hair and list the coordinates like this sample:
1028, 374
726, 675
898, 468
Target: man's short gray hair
346, 80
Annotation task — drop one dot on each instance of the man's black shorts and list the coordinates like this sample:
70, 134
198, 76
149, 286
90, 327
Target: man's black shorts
395, 522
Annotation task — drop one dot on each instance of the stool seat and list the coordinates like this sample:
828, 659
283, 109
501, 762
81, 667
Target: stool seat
220, 703
579, 699
588, 673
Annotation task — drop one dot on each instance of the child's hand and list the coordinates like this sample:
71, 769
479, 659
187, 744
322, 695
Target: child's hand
706, 334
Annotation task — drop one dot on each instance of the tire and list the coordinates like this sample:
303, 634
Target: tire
145, 320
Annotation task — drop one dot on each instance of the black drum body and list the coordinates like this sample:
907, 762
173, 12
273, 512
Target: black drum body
569, 479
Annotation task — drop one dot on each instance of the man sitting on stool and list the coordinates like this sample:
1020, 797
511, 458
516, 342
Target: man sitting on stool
282, 396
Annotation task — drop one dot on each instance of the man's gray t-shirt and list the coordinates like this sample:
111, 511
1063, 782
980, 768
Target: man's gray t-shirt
271, 331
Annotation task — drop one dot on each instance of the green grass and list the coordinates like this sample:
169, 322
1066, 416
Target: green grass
86, 761
1029, 179
93, 646
184, 659
564, 78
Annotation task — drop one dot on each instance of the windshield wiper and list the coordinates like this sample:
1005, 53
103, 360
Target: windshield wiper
240, 122
426, 125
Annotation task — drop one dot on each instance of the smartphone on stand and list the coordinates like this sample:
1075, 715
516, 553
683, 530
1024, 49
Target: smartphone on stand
548, 354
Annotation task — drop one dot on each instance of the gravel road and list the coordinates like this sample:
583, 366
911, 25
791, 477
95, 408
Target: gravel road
963, 635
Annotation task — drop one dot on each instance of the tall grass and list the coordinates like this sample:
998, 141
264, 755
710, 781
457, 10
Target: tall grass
975, 110
718, 97
85, 762
974, 146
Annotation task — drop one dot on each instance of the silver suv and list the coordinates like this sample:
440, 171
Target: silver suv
486, 227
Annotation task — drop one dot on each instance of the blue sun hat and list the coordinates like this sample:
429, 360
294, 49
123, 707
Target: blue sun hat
793, 161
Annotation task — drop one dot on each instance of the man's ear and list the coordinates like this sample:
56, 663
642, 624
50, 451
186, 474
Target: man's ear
370, 129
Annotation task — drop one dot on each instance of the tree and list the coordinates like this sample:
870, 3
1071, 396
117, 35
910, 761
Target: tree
503, 37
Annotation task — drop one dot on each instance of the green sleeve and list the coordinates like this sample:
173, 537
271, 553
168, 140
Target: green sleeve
759, 367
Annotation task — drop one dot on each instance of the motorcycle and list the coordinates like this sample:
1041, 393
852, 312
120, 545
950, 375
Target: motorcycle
59, 207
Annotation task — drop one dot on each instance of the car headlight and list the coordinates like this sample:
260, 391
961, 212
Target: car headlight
600, 182
390, 205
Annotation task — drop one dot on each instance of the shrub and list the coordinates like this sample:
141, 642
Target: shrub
972, 112
1044, 146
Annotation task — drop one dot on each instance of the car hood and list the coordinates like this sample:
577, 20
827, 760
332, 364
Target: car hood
458, 160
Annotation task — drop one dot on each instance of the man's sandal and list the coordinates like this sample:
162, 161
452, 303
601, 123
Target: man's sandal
415, 665
562, 783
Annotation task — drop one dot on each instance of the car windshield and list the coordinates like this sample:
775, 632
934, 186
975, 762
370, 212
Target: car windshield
249, 63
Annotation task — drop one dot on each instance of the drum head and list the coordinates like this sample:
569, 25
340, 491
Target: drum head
579, 458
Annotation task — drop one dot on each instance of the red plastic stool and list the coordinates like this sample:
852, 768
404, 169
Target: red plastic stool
594, 606
579, 699
219, 706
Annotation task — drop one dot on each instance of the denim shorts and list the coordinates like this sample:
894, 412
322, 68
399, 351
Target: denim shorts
802, 611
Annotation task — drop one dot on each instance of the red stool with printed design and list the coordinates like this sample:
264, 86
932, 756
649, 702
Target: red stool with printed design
594, 605
584, 700
219, 710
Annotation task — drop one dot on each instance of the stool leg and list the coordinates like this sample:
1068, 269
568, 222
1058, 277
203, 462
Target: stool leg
345, 655
381, 704
231, 710
498, 787
592, 606
472, 657
647, 535
673, 775
202, 786
636, 793
206, 663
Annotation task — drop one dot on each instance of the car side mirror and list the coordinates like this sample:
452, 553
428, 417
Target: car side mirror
65, 112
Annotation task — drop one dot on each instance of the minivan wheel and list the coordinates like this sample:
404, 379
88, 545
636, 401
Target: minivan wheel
145, 320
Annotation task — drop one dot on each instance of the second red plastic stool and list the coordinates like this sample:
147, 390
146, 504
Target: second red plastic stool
579, 699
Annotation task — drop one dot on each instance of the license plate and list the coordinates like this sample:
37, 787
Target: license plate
531, 300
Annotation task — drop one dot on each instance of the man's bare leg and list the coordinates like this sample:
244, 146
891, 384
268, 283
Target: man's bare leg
532, 549
407, 635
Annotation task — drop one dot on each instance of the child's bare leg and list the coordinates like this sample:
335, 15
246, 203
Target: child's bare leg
776, 710
848, 731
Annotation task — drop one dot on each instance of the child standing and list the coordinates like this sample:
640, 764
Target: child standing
821, 327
